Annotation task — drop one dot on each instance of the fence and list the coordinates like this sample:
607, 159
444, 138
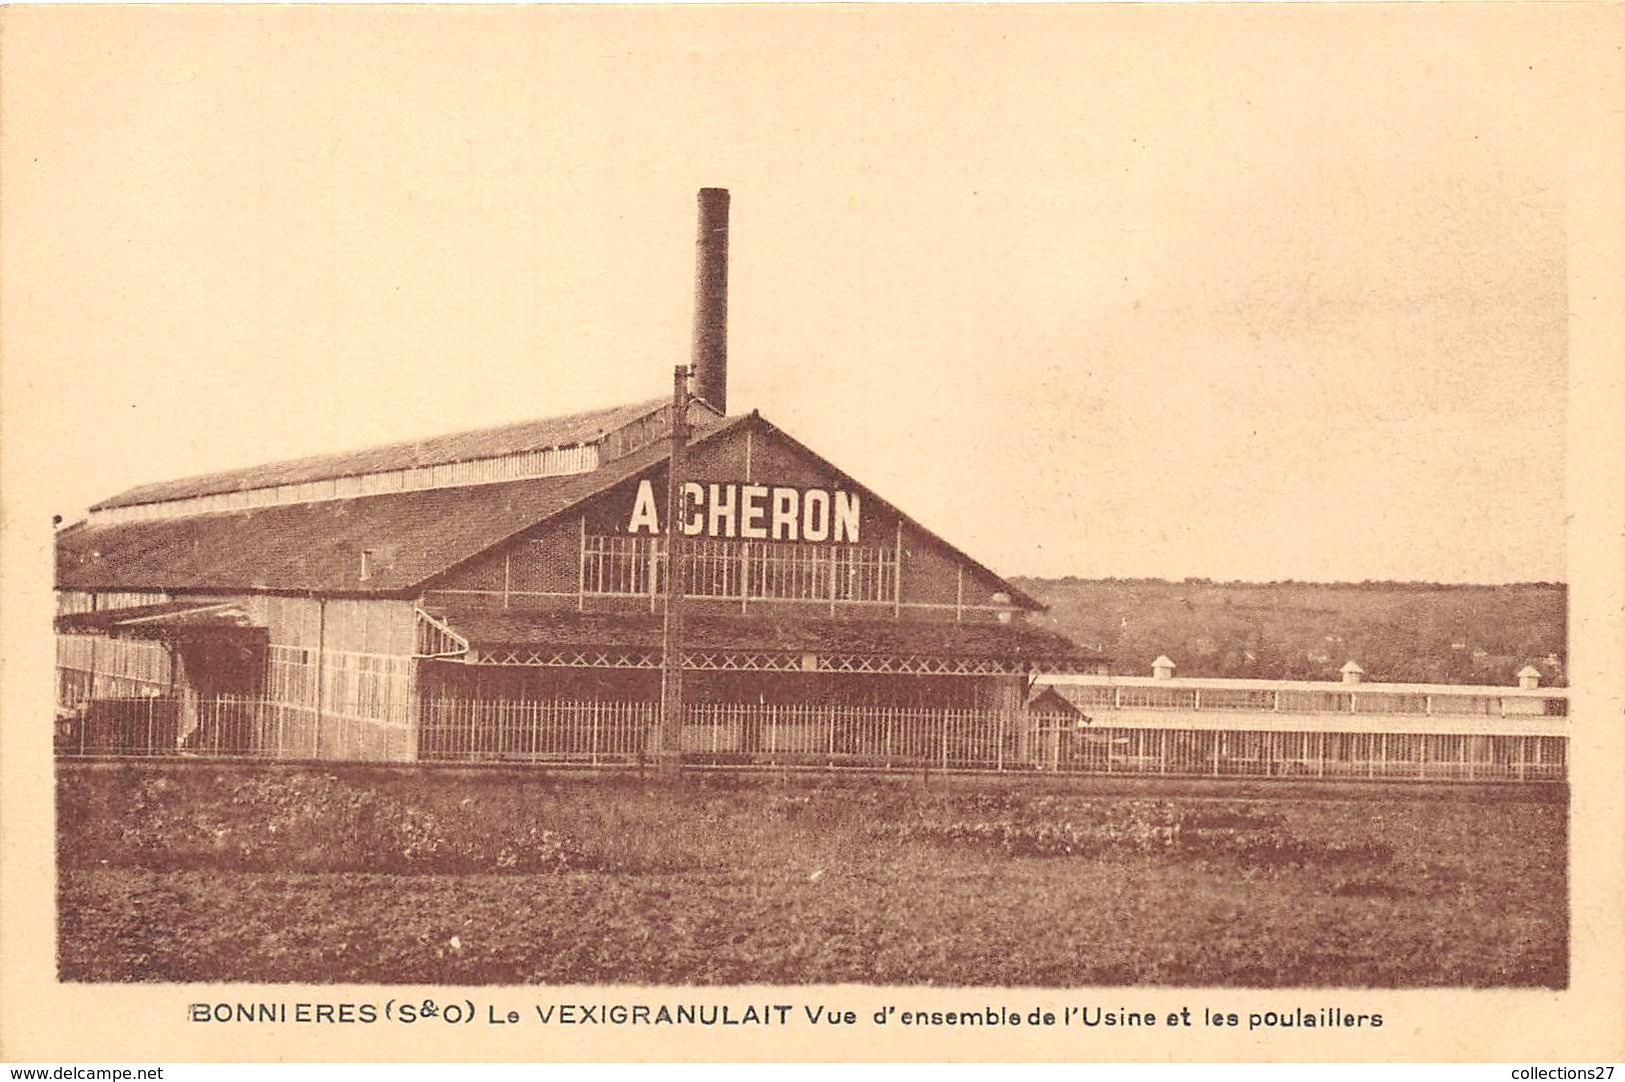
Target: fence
815, 735
718, 733
224, 727
498, 730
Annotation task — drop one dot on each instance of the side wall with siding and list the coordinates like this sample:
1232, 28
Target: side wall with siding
339, 673
345, 668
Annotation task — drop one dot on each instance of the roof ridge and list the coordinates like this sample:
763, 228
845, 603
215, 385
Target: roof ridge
306, 541
570, 429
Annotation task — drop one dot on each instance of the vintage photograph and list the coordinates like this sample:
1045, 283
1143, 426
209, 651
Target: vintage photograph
856, 497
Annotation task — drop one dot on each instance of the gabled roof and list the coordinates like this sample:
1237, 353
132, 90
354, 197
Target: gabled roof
544, 434
1020, 597
1046, 700
317, 547
412, 537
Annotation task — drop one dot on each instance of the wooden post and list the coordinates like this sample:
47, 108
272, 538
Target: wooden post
409, 713
321, 661
594, 737
581, 580
669, 742
832, 580
1010, 701
897, 575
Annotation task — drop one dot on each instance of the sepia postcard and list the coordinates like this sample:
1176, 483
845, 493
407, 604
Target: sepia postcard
827, 532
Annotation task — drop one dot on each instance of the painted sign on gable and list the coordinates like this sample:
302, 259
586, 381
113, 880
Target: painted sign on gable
754, 512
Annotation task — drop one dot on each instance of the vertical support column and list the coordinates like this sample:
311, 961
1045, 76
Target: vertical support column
1011, 704
581, 579
653, 571
409, 751
669, 736
321, 676
832, 580
184, 694
897, 575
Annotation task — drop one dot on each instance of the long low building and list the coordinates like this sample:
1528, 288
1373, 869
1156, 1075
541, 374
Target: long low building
1160, 724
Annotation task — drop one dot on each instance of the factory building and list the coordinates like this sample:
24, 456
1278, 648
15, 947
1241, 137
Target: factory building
501, 593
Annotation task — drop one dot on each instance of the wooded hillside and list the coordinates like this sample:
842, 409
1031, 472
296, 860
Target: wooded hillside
1407, 632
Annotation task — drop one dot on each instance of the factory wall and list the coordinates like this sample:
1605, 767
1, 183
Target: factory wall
597, 561
345, 666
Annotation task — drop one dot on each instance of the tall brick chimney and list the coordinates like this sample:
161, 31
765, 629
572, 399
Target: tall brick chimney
711, 300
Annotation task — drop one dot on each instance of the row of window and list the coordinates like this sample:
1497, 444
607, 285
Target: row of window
141, 660
361, 685
722, 568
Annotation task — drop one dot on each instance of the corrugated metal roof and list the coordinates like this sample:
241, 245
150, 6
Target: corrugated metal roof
317, 546
567, 431
412, 536
167, 619
491, 629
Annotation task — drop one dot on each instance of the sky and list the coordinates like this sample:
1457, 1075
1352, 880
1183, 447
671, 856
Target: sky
1243, 293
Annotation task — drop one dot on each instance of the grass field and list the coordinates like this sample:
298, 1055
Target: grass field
191, 874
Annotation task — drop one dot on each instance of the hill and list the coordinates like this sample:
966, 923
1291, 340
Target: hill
1397, 631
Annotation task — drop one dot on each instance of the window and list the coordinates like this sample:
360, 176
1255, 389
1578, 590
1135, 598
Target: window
717, 568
